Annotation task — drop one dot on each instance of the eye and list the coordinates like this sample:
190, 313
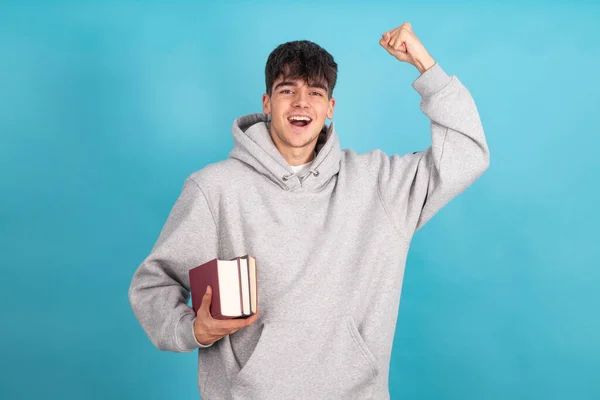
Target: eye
316, 93
286, 91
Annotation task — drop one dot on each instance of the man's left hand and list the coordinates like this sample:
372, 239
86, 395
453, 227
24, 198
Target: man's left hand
406, 47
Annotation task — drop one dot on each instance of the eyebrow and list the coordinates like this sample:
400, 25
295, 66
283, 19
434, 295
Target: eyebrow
294, 84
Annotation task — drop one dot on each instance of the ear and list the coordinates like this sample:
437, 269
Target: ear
266, 103
330, 108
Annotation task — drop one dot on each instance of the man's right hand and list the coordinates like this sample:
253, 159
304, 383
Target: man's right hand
208, 330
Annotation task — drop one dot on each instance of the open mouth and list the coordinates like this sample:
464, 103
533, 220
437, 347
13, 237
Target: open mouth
299, 120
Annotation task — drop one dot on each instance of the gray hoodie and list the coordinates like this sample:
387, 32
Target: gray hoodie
330, 246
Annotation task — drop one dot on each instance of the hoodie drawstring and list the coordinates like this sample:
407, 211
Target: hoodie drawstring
312, 171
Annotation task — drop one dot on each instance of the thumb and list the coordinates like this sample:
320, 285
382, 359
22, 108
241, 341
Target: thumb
384, 41
206, 301
399, 53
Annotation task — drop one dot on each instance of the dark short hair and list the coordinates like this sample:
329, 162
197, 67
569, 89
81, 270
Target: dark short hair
301, 59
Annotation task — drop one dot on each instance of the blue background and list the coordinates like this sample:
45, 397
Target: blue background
106, 107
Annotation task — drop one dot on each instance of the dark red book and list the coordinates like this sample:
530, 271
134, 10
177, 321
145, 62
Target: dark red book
233, 283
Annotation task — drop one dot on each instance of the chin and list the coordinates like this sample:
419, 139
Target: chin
301, 140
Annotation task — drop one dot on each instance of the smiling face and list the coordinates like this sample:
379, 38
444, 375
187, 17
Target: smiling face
298, 110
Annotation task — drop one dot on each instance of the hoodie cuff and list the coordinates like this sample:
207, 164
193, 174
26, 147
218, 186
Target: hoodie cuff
431, 81
186, 339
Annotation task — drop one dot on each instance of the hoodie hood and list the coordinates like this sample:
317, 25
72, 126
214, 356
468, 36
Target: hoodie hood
253, 146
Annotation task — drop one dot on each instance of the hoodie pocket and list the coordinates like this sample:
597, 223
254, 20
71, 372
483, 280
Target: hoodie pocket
308, 359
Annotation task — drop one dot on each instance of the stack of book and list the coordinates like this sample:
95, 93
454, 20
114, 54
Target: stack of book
233, 284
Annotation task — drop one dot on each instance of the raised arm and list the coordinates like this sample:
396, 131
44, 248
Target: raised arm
415, 186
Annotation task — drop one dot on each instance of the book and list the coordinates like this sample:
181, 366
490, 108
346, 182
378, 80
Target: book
233, 283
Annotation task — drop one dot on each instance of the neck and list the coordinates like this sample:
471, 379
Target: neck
298, 156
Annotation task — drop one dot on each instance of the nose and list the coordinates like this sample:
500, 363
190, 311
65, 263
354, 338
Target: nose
301, 99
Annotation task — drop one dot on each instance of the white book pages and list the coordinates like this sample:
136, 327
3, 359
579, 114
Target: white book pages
229, 286
253, 293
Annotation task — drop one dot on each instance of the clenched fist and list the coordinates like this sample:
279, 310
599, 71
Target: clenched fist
208, 330
406, 47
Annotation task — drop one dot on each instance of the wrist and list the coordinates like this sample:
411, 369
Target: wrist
200, 344
424, 63
199, 341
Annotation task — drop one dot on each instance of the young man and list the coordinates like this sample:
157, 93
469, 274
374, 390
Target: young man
330, 230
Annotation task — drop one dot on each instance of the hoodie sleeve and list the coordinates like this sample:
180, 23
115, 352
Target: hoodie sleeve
416, 186
159, 290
